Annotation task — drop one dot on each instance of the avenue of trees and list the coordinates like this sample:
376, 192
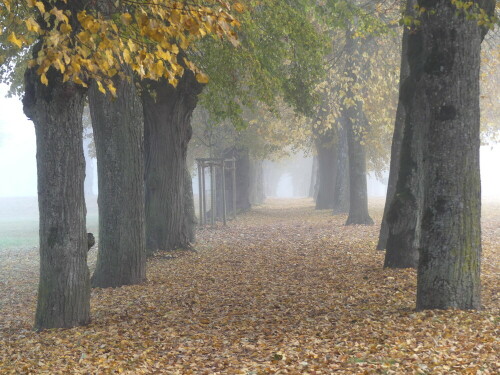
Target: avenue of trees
254, 81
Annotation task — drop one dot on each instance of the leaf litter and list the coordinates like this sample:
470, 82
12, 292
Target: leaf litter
283, 289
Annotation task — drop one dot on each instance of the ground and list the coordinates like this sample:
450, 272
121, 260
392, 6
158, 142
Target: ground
283, 289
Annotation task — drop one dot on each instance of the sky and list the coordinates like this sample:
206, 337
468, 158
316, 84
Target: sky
18, 157
17, 149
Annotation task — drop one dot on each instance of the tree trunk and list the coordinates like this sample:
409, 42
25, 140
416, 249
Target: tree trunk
397, 138
404, 207
257, 195
189, 209
341, 197
405, 211
167, 131
444, 57
314, 175
64, 286
243, 180
355, 121
326, 149
358, 191
118, 134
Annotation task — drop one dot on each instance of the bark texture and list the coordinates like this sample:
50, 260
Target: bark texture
64, 286
118, 134
341, 200
326, 150
397, 138
358, 190
444, 57
404, 212
243, 180
257, 195
167, 131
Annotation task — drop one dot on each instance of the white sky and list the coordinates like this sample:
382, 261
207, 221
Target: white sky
17, 149
18, 156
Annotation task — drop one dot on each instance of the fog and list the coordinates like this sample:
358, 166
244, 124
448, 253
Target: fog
18, 162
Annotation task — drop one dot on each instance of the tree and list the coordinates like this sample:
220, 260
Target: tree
326, 149
118, 134
397, 138
75, 43
434, 98
355, 121
360, 96
56, 110
400, 228
167, 122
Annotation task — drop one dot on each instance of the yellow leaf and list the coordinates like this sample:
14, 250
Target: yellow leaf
100, 87
60, 65
239, 7
65, 28
126, 18
40, 6
126, 56
32, 25
112, 89
44, 80
201, 78
14, 40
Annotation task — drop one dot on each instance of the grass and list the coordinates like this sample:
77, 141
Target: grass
19, 222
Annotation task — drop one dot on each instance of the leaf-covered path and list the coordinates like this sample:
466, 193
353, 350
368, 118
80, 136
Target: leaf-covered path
284, 289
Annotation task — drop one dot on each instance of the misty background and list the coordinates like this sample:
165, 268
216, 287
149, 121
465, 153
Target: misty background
18, 185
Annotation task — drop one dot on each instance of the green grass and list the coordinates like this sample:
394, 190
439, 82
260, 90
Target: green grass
19, 222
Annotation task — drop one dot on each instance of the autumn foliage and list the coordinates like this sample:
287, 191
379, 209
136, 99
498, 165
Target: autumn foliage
94, 42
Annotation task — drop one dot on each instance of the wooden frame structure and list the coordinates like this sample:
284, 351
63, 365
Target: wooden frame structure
214, 164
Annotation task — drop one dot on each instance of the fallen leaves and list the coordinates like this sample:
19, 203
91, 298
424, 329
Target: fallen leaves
283, 289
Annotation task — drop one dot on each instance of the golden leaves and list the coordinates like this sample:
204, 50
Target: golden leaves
15, 40
147, 36
201, 78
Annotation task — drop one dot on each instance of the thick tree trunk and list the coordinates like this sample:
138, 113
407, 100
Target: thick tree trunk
243, 180
257, 195
405, 211
358, 190
326, 149
64, 286
118, 134
397, 138
404, 202
167, 131
341, 197
444, 57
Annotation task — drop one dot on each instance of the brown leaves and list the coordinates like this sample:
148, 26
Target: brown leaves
283, 289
